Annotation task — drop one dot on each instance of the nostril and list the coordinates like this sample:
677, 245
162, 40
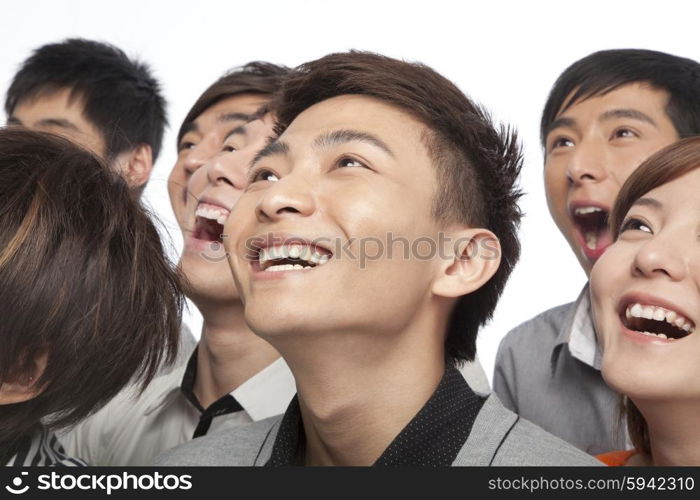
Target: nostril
225, 180
290, 210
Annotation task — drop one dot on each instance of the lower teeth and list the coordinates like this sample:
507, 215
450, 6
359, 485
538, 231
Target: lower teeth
659, 335
591, 241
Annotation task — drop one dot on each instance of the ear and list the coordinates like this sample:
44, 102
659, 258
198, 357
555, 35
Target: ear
23, 387
136, 165
471, 257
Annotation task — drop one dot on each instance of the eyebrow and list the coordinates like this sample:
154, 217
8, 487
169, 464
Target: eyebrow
274, 147
13, 120
633, 114
324, 141
233, 117
612, 114
223, 118
648, 202
240, 130
57, 122
344, 136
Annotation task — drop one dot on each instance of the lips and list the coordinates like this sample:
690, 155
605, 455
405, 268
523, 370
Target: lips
276, 253
590, 222
209, 222
654, 318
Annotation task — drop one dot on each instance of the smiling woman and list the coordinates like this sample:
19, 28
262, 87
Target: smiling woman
646, 306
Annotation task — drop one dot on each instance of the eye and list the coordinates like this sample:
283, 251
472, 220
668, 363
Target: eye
634, 224
347, 161
228, 148
561, 142
262, 175
185, 145
623, 133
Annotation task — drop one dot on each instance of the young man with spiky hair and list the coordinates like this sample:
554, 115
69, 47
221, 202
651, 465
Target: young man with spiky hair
605, 114
373, 150
93, 94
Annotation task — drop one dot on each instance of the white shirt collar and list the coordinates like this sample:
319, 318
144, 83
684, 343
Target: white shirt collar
583, 344
265, 394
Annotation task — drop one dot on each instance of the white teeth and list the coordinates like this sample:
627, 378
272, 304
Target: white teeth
591, 240
587, 210
636, 310
659, 314
662, 335
295, 251
219, 216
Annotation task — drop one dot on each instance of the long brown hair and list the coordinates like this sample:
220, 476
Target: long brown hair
83, 280
661, 168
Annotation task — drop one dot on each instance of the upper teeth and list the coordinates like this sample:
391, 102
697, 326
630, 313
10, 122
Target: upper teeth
295, 251
219, 215
659, 314
586, 210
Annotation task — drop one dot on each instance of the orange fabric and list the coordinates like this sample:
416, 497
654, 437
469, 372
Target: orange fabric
616, 458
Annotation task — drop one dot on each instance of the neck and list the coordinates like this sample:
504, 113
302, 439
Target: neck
672, 431
229, 352
358, 390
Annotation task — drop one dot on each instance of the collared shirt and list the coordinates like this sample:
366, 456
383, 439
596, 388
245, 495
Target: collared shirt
133, 429
548, 371
43, 448
433, 437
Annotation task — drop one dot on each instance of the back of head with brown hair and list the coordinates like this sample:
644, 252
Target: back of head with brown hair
477, 164
83, 281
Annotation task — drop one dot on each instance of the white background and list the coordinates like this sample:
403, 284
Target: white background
505, 54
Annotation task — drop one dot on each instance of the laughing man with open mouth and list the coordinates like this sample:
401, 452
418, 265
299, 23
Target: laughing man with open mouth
371, 146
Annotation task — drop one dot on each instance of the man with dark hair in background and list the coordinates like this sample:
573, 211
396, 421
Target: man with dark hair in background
93, 94
605, 114
373, 148
232, 376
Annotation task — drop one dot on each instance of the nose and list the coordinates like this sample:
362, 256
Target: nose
660, 257
199, 155
289, 197
228, 168
587, 164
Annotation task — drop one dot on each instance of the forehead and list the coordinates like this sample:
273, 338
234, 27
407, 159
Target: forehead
680, 194
360, 113
638, 95
58, 104
226, 110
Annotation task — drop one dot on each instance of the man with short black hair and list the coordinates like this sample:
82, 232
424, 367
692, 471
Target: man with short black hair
605, 114
93, 94
372, 150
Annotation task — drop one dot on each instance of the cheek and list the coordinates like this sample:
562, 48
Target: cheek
606, 278
556, 188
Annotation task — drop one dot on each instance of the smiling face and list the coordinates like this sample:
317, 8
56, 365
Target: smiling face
591, 149
346, 170
646, 296
213, 191
203, 140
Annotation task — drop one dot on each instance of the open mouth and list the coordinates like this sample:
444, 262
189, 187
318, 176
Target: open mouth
209, 223
591, 222
291, 257
656, 321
